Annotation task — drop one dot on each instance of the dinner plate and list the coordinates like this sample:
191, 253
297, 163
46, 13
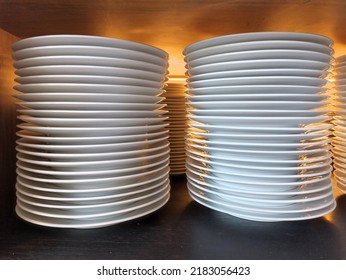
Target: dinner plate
259, 45
91, 114
89, 213
90, 71
281, 122
313, 156
87, 40
258, 64
104, 182
249, 89
88, 97
157, 147
82, 147
299, 207
222, 143
268, 217
87, 205
91, 131
283, 97
243, 176
254, 105
92, 106
87, 88
64, 60
48, 195
260, 72
261, 138
274, 201
256, 113
91, 122
93, 189
254, 130
258, 55
89, 140
259, 80
88, 51
224, 165
88, 79
69, 164
259, 36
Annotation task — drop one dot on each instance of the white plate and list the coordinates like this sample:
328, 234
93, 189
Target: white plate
264, 217
88, 97
259, 36
90, 213
88, 79
260, 72
92, 106
47, 195
88, 51
86, 88
265, 158
92, 122
93, 204
39, 169
255, 105
259, 54
224, 165
150, 149
81, 147
255, 185
88, 205
89, 140
107, 165
259, 46
261, 138
90, 223
260, 80
274, 201
256, 150
91, 131
257, 97
75, 189
258, 64
259, 193
104, 181
266, 89
78, 60
91, 114
221, 129
280, 122
224, 143
256, 113
269, 209
87, 40
246, 176
90, 70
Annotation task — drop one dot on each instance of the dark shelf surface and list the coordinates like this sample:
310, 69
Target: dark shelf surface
182, 229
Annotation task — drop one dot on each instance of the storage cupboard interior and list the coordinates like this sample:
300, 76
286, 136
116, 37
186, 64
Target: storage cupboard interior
182, 229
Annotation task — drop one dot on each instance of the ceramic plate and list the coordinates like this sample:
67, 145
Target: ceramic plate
89, 41
64, 60
87, 88
88, 51
90, 70
259, 36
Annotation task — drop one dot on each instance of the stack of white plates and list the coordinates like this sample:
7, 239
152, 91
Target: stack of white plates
257, 142
339, 139
93, 148
175, 100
